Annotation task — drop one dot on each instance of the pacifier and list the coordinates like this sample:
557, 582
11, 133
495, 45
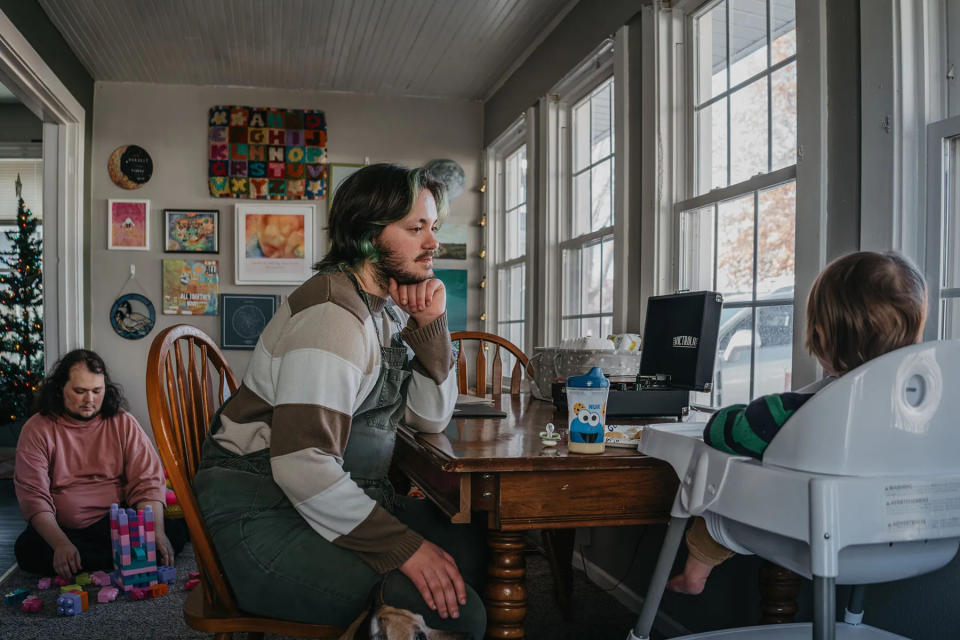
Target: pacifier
549, 438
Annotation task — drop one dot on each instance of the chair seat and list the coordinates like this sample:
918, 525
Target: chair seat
210, 618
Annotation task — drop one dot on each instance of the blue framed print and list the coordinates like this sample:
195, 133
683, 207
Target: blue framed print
243, 318
132, 316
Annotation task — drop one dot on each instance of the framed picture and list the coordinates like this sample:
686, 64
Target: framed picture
339, 173
128, 225
243, 318
455, 282
274, 243
453, 242
190, 287
191, 231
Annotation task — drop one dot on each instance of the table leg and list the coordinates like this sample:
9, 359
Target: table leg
505, 593
778, 594
558, 544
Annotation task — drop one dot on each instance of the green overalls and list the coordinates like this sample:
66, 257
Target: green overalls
278, 566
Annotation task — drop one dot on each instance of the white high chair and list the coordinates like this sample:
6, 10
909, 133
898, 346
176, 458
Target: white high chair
861, 485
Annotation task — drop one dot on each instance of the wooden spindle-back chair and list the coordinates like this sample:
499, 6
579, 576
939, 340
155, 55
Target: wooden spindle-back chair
188, 379
496, 371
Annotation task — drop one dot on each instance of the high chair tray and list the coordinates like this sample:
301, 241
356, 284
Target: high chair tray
799, 631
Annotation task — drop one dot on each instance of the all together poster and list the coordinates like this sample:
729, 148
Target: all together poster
191, 287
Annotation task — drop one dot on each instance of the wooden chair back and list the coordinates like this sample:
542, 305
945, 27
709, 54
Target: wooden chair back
496, 370
188, 378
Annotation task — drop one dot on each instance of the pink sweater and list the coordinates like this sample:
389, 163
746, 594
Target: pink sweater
75, 470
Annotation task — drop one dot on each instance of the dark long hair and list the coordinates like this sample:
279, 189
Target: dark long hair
366, 202
50, 396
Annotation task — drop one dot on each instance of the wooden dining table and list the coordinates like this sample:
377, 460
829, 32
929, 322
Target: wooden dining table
500, 470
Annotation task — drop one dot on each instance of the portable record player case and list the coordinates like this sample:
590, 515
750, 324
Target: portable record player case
678, 352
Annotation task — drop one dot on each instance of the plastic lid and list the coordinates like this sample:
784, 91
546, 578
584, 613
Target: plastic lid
593, 379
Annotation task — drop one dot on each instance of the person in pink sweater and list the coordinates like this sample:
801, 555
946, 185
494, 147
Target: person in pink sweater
81, 452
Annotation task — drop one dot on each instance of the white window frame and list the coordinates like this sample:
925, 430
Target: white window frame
667, 161
597, 67
517, 135
937, 134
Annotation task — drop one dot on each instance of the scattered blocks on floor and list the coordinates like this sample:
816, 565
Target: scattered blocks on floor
136, 593
70, 587
191, 584
84, 599
82, 579
100, 578
32, 604
59, 581
133, 538
107, 594
70, 604
44, 583
159, 590
16, 597
166, 575
194, 574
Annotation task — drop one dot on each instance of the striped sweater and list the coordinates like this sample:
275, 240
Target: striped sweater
746, 430
314, 365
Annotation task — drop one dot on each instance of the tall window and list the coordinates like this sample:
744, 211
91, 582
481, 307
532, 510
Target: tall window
943, 254
737, 221
587, 251
510, 267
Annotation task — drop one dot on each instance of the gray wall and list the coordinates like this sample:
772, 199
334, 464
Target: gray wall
18, 124
170, 122
578, 33
36, 27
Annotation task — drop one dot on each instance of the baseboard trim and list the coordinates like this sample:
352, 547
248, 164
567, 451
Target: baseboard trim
627, 597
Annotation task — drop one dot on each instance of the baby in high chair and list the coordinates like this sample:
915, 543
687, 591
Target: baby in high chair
861, 306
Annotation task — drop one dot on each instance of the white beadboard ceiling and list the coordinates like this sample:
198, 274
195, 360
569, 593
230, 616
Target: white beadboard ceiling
443, 48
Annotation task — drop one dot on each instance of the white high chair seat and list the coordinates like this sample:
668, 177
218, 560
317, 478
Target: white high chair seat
861, 485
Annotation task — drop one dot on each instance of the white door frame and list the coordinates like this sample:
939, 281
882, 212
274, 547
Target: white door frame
29, 78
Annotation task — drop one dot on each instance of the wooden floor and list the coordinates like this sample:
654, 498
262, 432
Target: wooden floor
11, 523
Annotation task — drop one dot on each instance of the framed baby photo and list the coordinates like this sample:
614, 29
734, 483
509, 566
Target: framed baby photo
191, 230
274, 243
128, 225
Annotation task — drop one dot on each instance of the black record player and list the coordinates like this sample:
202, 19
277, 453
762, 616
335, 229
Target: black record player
678, 353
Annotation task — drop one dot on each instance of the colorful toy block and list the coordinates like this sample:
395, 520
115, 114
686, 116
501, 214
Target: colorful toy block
190, 584
159, 590
194, 574
136, 593
32, 604
16, 597
83, 579
100, 578
166, 575
84, 599
134, 542
107, 594
70, 587
59, 581
70, 604
44, 583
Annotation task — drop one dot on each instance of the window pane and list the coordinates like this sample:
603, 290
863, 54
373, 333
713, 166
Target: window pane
503, 294
710, 31
711, 169
601, 121
510, 239
581, 204
748, 39
581, 135
571, 281
773, 350
783, 102
950, 318
601, 179
696, 249
735, 248
732, 375
776, 255
570, 329
950, 229
590, 285
748, 131
606, 326
607, 276
521, 230
783, 30
516, 293
591, 327
522, 173
511, 196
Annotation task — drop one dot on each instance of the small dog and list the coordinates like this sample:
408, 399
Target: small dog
382, 622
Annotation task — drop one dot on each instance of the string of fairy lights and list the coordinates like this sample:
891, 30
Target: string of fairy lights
21, 321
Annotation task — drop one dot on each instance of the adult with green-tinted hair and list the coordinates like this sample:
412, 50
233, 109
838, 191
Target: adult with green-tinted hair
293, 484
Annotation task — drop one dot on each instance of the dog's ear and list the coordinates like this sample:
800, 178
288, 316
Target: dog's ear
363, 629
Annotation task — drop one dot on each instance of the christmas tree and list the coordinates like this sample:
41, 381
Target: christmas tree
21, 317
